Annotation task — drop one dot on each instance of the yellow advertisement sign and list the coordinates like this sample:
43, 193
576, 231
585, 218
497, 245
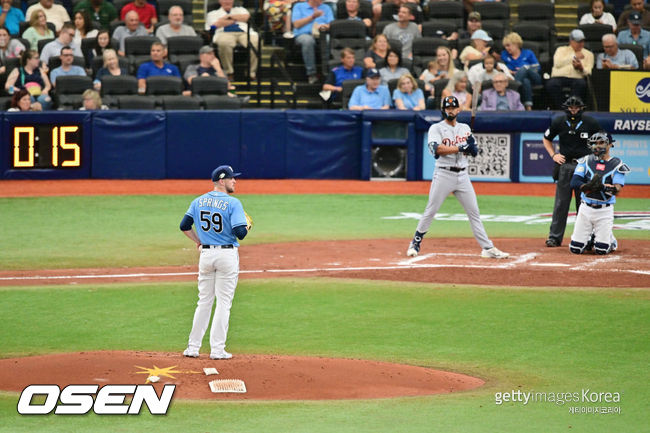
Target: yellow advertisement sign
629, 92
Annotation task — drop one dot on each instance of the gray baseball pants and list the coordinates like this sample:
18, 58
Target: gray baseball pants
444, 183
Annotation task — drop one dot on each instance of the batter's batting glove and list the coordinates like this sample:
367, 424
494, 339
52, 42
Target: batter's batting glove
471, 140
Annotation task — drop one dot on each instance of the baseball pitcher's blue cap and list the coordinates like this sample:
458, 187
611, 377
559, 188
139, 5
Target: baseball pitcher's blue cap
223, 172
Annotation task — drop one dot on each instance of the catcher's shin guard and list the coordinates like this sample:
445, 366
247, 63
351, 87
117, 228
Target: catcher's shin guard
602, 248
576, 247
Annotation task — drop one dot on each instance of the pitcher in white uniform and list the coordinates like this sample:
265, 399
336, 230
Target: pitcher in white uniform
220, 220
450, 142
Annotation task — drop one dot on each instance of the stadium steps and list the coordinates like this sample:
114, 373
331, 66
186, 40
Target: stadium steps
566, 12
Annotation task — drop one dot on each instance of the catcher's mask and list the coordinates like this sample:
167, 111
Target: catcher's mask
449, 102
573, 101
600, 142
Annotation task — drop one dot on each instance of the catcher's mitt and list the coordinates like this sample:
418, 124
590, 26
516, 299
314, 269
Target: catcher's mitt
249, 221
594, 185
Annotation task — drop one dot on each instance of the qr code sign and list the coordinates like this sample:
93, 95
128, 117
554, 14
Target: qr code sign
493, 159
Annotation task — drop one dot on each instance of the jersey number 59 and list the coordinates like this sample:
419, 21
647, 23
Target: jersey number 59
209, 220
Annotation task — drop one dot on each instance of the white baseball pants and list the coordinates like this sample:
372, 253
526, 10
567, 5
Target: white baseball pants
600, 222
218, 275
444, 183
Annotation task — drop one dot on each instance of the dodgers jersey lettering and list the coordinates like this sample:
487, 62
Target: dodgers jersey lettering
215, 214
445, 134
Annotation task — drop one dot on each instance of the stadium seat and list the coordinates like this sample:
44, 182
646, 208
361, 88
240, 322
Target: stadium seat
221, 102
176, 102
348, 88
135, 102
209, 86
450, 11
69, 90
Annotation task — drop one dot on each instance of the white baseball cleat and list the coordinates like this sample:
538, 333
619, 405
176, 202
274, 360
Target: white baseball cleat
411, 252
494, 253
191, 353
220, 355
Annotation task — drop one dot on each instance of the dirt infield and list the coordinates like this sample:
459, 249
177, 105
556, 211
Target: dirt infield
267, 377
448, 261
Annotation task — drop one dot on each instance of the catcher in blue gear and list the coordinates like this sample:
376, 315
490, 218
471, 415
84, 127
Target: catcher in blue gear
599, 177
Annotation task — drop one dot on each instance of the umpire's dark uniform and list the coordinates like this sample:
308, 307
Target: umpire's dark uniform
573, 145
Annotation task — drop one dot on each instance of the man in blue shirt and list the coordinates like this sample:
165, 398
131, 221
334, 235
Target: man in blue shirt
613, 57
635, 35
11, 17
156, 66
308, 18
370, 96
66, 68
346, 71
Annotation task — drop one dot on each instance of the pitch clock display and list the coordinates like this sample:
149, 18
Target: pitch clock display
46, 146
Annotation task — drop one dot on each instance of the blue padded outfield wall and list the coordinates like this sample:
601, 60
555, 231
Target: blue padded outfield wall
277, 144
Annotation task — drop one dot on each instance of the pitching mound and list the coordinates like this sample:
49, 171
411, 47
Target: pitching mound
266, 377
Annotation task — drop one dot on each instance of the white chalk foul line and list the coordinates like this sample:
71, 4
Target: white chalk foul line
595, 263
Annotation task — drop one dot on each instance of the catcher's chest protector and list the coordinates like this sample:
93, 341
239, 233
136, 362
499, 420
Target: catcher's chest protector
605, 169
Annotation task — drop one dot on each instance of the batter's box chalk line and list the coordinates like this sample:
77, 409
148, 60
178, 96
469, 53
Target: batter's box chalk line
227, 385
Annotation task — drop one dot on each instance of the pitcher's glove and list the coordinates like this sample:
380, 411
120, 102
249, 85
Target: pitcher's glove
249, 221
594, 185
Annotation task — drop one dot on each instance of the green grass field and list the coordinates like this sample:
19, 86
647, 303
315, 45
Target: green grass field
546, 340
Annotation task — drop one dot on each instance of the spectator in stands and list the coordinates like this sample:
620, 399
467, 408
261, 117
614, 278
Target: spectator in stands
598, 15
404, 30
102, 42
92, 101
353, 12
407, 95
111, 68
393, 68
278, 13
370, 96
9, 48
571, 65
523, 65
231, 24
53, 49
473, 24
345, 71
441, 67
375, 57
132, 27
309, 18
478, 48
499, 97
613, 57
635, 35
157, 66
67, 68
208, 66
10, 17
458, 87
31, 77
638, 6
37, 30
175, 26
83, 27
54, 13
100, 11
487, 70
22, 101
146, 13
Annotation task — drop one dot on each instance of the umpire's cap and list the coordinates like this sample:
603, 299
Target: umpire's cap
223, 172
573, 101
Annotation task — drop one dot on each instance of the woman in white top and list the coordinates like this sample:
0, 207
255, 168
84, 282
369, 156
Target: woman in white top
441, 67
598, 15
458, 87
83, 28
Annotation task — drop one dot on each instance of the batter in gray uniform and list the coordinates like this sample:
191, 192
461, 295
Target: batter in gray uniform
450, 142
